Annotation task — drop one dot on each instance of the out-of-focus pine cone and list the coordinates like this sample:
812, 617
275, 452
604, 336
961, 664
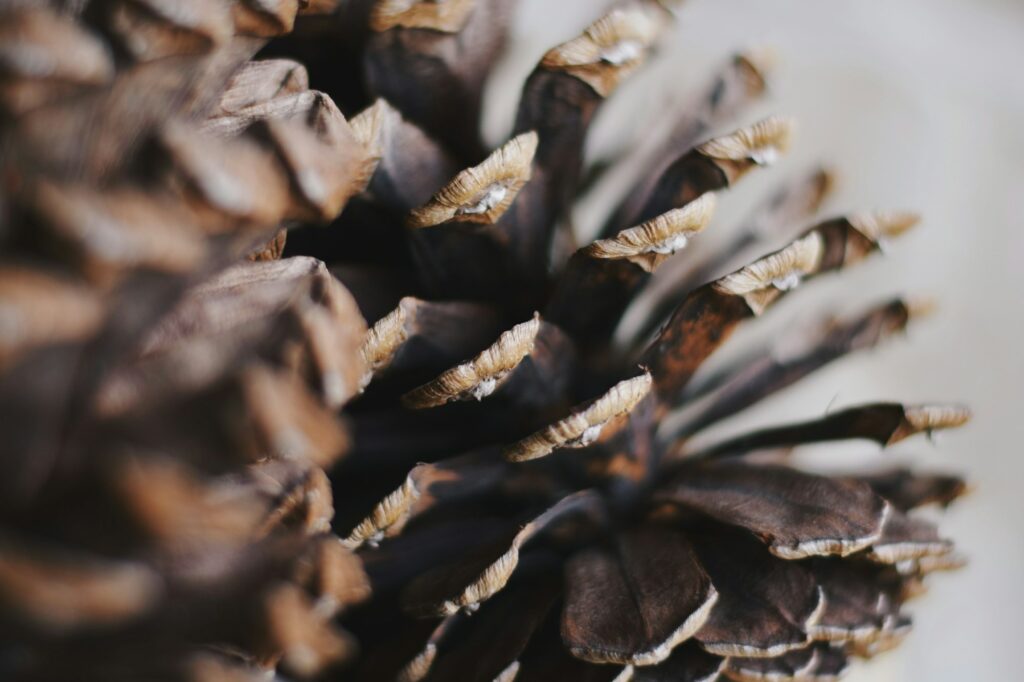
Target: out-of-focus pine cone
212, 469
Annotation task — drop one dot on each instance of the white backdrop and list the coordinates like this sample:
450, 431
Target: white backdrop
920, 104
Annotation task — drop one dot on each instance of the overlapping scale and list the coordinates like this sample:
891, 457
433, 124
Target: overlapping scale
310, 384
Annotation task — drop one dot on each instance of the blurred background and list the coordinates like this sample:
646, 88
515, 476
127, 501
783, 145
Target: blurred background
918, 104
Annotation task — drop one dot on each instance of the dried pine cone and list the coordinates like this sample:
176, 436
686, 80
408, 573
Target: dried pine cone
213, 468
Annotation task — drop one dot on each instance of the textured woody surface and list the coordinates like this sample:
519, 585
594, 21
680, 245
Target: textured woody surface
975, 290
232, 418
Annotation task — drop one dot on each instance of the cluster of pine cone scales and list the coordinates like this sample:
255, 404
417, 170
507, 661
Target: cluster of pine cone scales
307, 383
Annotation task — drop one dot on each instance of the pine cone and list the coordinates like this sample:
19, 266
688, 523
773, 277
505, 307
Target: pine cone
213, 468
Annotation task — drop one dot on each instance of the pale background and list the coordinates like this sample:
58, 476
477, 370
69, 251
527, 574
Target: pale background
920, 104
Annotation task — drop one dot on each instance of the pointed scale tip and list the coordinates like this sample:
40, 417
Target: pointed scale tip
761, 282
480, 377
759, 63
935, 417
827, 179
383, 340
609, 48
881, 225
920, 307
388, 516
762, 57
583, 426
951, 561
447, 17
483, 193
649, 243
368, 125
761, 143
